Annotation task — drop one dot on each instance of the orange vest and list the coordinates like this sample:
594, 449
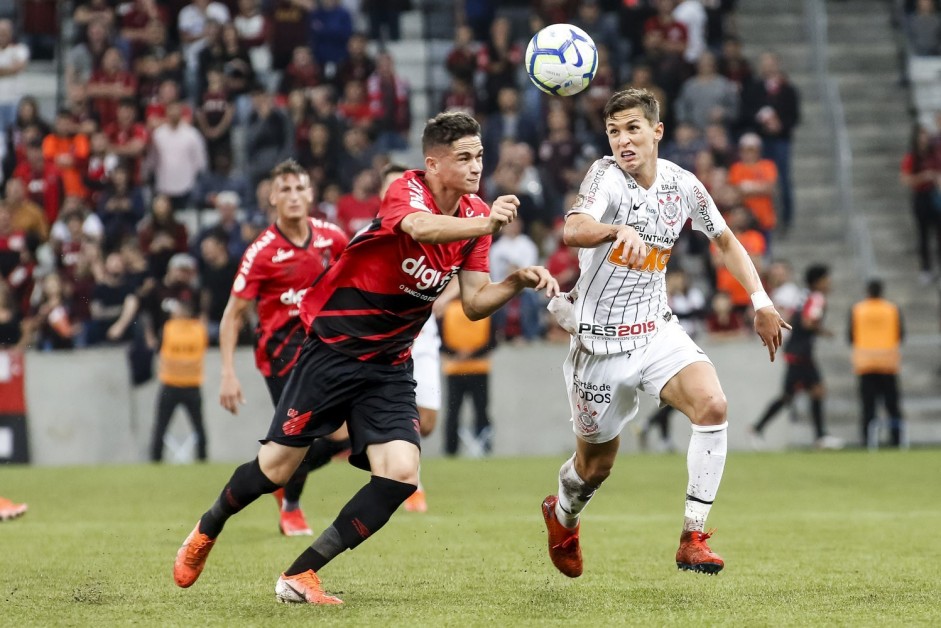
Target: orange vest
760, 205
182, 352
876, 337
460, 334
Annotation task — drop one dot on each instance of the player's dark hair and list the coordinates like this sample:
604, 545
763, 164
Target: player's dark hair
815, 273
286, 167
874, 288
629, 99
446, 128
392, 168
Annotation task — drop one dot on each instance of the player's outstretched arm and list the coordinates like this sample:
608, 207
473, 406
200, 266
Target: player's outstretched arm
482, 297
768, 323
431, 228
230, 389
583, 231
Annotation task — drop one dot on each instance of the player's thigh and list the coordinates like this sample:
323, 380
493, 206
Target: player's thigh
279, 462
396, 460
602, 391
383, 412
695, 391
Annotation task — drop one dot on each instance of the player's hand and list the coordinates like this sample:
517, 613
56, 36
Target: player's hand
768, 325
633, 249
537, 278
503, 212
230, 394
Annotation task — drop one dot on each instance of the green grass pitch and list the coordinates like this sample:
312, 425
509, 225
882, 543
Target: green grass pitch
844, 538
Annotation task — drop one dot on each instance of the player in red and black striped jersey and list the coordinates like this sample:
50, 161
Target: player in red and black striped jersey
802, 372
275, 272
364, 313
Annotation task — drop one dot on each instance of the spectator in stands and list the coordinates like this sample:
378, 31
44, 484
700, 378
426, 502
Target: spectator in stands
85, 57
156, 112
509, 123
28, 125
229, 225
182, 354
692, 15
42, 180
128, 139
642, 78
739, 221
75, 211
665, 41
193, 24
358, 208
733, 64
603, 30
685, 145
178, 283
924, 28
756, 179
461, 62
136, 18
302, 73
707, 97
25, 215
101, 162
358, 65
384, 17
219, 178
165, 55
459, 97
316, 156
389, 103
723, 322
179, 157
357, 156
920, 173
253, 28
783, 290
121, 206
14, 58
269, 138
706, 170
354, 106
500, 58
771, 107
55, 327
157, 65
14, 330
215, 115
720, 145
68, 151
331, 26
92, 12
290, 28
12, 243
161, 221
113, 304
215, 280
511, 251
110, 84
557, 157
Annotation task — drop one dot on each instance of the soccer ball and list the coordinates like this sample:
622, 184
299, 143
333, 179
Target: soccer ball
561, 59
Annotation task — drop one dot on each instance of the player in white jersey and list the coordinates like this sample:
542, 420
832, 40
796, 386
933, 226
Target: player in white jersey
625, 220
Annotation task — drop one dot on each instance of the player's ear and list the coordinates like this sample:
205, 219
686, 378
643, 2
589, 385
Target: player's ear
658, 131
431, 164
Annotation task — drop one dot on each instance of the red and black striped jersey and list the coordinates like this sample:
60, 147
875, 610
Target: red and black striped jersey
374, 300
800, 346
277, 273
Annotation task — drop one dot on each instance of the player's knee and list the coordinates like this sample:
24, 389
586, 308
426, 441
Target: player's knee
404, 474
712, 411
596, 472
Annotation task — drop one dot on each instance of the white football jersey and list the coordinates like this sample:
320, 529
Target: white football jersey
617, 308
428, 342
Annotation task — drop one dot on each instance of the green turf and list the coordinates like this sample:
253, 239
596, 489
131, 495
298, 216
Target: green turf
848, 538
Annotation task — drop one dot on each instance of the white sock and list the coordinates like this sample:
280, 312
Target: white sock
574, 494
705, 462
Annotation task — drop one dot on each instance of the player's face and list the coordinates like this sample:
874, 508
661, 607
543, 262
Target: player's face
460, 166
291, 196
633, 140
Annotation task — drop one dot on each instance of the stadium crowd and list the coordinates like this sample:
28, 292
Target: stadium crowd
151, 180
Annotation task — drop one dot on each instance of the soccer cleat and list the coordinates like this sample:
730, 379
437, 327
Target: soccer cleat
10, 510
694, 554
293, 523
416, 502
279, 497
304, 588
191, 558
564, 550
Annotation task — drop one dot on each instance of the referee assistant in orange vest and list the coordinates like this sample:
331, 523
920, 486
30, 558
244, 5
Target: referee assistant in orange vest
876, 331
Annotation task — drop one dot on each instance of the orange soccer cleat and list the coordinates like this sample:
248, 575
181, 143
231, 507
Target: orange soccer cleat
10, 510
293, 523
191, 558
304, 588
694, 554
416, 502
564, 550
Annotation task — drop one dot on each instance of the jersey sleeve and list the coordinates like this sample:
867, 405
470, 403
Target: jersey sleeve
398, 203
248, 280
478, 260
705, 214
594, 194
813, 307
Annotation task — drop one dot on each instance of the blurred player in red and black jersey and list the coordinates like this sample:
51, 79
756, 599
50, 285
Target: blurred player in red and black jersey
802, 372
276, 271
363, 315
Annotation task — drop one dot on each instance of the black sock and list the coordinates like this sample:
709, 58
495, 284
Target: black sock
816, 411
359, 519
246, 485
772, 410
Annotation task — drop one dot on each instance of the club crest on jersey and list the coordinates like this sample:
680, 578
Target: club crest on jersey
587, 423
669, 208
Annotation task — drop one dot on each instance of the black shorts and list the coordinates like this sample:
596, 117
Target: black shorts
326, 388
801, 376
276, 385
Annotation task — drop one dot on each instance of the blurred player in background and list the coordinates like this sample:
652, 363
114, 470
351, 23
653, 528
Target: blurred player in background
276, 270
362, 317
626, 219
426, 360
802, 373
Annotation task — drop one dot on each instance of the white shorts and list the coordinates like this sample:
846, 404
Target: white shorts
427, 373
603, 388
